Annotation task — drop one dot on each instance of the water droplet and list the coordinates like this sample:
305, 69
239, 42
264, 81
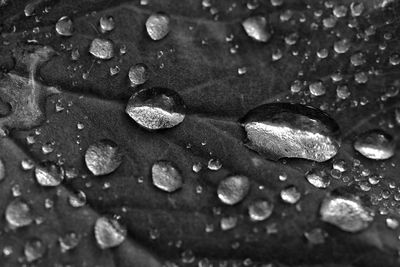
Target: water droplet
49, 174
214, 164
257, 28
317, 88
197, 167
157, 26
156, 108
109, 233
260, 210
2, 170
166, 177
103, 157
102, 48
290, 195
341, 46
69, 241
392, 223
319, 180
18, 213
316, 236
375, 144
27, 164
228, 223
233, 189
282, 130
107, 24
34, 249
346, 213
64, 26
356, 8
77, 200
138, 74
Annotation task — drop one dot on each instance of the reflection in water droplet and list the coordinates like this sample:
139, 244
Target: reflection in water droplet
103, 157
102, 48
375, 144
282, 130
109, 233
157, 26
319, 180
166, 177
49, 174
290, 195
64, 26
18, 213
345, 213
34, 249
233, 189
138, 74
257, 28
260, 210
156, 108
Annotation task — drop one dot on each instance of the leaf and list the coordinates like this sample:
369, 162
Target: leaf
195, 60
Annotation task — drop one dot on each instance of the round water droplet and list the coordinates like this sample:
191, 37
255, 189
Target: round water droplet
341, 46
69, 241
375, 144
107, 24
18, 213
257, 28
260, 210
78, 199
283, 130
138, 74
166, 177
290, 195
156, 108
103, 157
319, 180
214, 164
157, 26
317, 88
34, 249
49, 174
109, 233
233, 189
64, 26
346, 213
102, 48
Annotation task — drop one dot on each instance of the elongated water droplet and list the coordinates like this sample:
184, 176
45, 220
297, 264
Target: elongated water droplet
109, 233
103, 157
18, 213
257, 28
138, 74
102, 48
346, 213
64, 26
34, 249
166, 177
156, 108
283, 130
375, 144
157, 26
260, 210
49, 174
290, 195
319, 180
233, 189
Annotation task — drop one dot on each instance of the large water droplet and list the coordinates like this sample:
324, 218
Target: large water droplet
34, 249
64, 26
346, 213
18, 213
157, 26
257, 28
156, 108
138, 74
49, 174
102, 48
375, 144
283, 130
260, 210
103, 157
166, 177
233, 189
109, 233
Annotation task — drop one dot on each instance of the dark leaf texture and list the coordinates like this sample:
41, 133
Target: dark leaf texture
195, 60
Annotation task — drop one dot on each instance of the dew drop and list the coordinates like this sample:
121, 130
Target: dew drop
392, 223
49, 174
64, 26
2, 170
69, 241
214, 164
316, 236
103, 157
318, 180
228, 223
102, 48
375, 144
341, 46
78, 199
257, 28
18, 213
107, 24
34, 249
109, 233
138, 74
156, 108
317, 88
284, 130
166, 177
157, 26
260, 210
290, 195
233, 189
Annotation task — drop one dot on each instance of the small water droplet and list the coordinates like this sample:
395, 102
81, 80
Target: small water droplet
341, 46
18, 213
214, 164
392, 223
156, 108
157, 26
49, 174
109, 232
78, 199
166, 177
64, 26
375, 144
69, 241
317, 88
319, 180
102, 48
260, 210
257, 28
103, 157
233, 189
316, 236
107, 24
138, 74
228, 223
290, 195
